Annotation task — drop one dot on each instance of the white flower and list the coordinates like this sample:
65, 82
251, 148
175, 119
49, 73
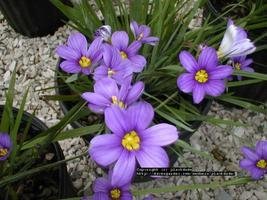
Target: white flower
235, 42
104, 32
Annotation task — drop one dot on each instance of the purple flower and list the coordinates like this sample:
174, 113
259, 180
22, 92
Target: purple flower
255, 161
105, 190
5, 146
120, 40
107, 93
235, 42
203, 77
241, 63
142, 33
77, 57
132, 140
104, 32
113, 66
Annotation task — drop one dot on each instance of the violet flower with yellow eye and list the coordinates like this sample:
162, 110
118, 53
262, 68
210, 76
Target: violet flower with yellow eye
78, 58
5, 146
142, 33
204, 76
107, 93
255, 161
241, 63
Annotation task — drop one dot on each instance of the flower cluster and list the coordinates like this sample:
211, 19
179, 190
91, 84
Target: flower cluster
206, 76
131, 140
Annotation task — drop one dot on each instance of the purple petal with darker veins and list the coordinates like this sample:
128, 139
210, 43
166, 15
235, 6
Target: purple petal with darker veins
220, 72
134, 28
68, 53
140, 115
5, 140
105, 149
133, 48
145, 30
150, 40
188, 61
256, 173
134, 93
107, 87
214, 87
198, 93
70, 66
126, 163
126, 196
86, 71
246, 164
137, 63
186, 82
78, 42
152, 156
159, 135
208, 58
120, 39
95, 98
250, 154
100, 72
96, 108
101, 185
100, 196
247, 62
116, 120
107, 54
95, 48
261, 149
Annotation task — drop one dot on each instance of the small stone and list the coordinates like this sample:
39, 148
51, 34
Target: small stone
78, 183
49, 156
261, 195
246, 195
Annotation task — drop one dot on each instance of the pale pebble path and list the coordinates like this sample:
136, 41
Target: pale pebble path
35, 61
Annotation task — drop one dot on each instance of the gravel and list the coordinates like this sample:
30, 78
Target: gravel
35, 61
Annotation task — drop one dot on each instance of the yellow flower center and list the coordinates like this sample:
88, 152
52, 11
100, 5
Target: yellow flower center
115, 194
117, 102
110, 72
85, 62
140, 36
123, 55
237, 66
131, 141
3, 152
262, 164
202, 76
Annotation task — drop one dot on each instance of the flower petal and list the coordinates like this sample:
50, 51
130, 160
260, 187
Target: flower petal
94, 49
120, 39
101, 185
261, 149
95, 98
150, 40
256, 173
152, 156
78, 42
248, 69
160, 135
208, 58
188, 61
100, 72
116, 120
5, 140
198, 93
214, 87
134, 93
221, 72
100, 196
106, 87
137, 63
105, 149
250, 154
68, 53
96, 108
246, 164
186, 82
246, 63
126, 163
126, 196
133, 48
134, 28
140, 115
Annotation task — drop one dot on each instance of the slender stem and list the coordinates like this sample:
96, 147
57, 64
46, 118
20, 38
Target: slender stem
212, 185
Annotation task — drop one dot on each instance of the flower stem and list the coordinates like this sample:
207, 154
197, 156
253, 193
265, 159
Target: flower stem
212, 185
